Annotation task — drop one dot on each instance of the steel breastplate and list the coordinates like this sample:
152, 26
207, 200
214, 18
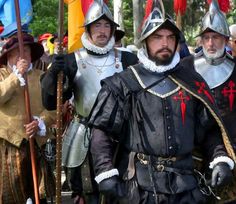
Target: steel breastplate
91, 70
164, 88
214, 75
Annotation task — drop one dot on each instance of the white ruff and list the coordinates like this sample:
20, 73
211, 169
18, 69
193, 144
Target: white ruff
150, 65
98, 50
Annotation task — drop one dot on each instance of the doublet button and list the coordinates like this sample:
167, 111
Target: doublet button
169, 137
168, 127
170, 147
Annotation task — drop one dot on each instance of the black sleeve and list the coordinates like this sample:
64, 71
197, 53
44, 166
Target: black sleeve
102, 151
107, 113
49, 84
209, 136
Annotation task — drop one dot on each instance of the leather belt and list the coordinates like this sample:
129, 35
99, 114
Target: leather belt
159, 163
144, 159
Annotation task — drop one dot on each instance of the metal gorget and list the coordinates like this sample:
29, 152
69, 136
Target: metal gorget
214, 73
91, 70
164, 88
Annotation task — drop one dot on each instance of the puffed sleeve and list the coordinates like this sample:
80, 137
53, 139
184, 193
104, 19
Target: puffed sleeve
209, 135
108, 111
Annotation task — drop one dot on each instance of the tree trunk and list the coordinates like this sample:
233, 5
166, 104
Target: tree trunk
138, 13
118, 13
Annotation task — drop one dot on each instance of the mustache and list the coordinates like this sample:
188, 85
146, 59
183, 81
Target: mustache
164, 49
102, 36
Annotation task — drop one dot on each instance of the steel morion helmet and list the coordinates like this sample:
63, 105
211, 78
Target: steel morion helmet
215, 20
157, 20
97, 10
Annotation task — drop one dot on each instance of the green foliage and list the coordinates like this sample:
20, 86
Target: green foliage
128, 22
45, 17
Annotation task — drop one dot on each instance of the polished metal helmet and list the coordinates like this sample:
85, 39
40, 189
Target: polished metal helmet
215, 20
157, 20
97, 10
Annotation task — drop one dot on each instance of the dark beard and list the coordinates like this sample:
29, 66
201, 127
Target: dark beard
160, 61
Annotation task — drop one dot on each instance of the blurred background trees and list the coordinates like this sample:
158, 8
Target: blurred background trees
129, 13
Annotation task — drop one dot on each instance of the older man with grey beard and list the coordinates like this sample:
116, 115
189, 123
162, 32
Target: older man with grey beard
217, 67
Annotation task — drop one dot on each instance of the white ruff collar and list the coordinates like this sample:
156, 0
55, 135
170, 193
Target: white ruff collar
150, 65
98, 50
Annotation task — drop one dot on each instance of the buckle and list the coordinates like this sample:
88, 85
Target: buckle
160, 167
141, 158
167, 159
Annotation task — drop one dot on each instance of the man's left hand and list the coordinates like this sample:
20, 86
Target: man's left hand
221, 174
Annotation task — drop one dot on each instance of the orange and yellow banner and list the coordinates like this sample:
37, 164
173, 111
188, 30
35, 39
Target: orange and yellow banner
76, 13
77, 10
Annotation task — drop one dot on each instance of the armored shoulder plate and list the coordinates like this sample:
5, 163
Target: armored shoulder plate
215, 73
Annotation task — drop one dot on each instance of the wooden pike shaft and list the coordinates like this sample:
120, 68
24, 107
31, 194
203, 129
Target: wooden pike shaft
27, 106
59, 107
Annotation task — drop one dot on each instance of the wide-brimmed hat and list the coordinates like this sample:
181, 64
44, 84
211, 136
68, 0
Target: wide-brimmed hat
119, 34
12, 43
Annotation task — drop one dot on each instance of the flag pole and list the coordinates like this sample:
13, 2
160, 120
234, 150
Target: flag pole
59, 106
27, 104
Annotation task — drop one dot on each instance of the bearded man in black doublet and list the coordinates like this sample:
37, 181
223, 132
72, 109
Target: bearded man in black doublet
157, 112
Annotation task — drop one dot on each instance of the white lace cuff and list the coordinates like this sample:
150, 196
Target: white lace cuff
106, 174
41, 125
225, 159
19, 76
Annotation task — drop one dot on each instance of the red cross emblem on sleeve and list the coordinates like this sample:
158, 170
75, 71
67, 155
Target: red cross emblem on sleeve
182, 98
202, 89
229, 91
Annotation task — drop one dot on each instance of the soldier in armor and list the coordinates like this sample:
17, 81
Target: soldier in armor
217, 67
84, 69
155, 113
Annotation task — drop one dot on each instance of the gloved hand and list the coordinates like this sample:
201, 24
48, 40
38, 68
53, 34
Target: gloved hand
221, 174
58, 64
112, 187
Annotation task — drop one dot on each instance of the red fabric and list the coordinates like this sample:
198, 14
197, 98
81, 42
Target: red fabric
44, 36
223, 4
183, 100
202, 90
230, 92
1, 29
86, 4
148, 9
180, 6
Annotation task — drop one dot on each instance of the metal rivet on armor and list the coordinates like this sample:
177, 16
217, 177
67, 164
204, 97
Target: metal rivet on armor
117, 66
86, 179
168, 127
169, 137
170, 147
85, 166
83, 65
